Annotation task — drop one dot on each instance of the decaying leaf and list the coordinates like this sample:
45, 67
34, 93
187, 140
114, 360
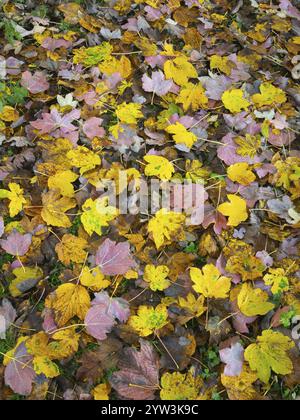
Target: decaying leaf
138, 377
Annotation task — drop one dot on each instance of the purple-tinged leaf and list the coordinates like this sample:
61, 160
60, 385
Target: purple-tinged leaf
233, 357
102, 316
16, 244
7, 316
114, 258
19, 374
1, 226
138, 377
115, 307
157, 83
35, 83
98, 322
92, 128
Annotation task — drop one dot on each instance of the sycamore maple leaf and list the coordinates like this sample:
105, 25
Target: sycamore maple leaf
166, 227
102, 316
270, 352
236, 210
97, 214
16, 198
209, 282
56, 124
35, 83
157, 83
67, 301
114, 258
138, 376
159, 166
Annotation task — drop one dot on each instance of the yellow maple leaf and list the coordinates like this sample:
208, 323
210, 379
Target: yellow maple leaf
192, 96
16, 198
37, 344
241, 173
159, 166
193, 305
166, 227
83, 158
54, 208
180, 70
254, 302
246, 265
9, 114
210, 283
113, 65
221, 63
181, 135
71, 248
278, 280
248, 145
236, 210
234, 100
157, 277
129, 113
93, 55
101, 392
43, 365
67, 301
195, 170
94, 279
66, 344
149, 320
269, 95
25, 279
180, 386
270, 352
97, 214
62, 181
240, 388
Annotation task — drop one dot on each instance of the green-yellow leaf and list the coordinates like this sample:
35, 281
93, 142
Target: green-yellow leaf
270, 353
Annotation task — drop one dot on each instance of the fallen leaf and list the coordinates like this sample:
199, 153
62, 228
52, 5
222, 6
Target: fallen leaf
138, 377
67, 301
114, 258
236, 209
210, 283
233, 357
270, 353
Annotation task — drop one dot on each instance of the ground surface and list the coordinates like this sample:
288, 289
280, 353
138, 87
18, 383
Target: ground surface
95, 304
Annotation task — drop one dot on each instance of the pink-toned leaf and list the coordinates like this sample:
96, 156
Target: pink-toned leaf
115, 307
157, 83
233, 357
92, 128
98, 322
1, 226
19, 374
16, 244
7, 316
114, 258
241, 321
52, 44
102, 316
138, 376
54, 121
35, 83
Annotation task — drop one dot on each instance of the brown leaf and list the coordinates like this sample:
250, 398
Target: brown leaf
94, 362
138, 376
